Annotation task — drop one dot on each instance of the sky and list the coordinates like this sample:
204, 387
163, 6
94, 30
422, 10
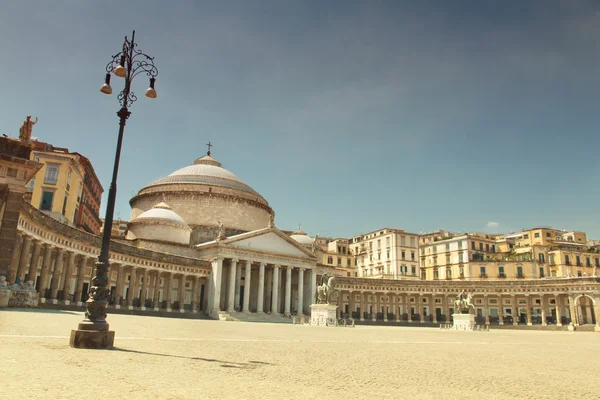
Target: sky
347, 116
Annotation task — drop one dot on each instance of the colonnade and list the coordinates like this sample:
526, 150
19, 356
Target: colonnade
261, 287
422, 307
65, 275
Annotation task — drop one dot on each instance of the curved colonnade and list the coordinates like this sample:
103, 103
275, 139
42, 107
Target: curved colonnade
59, 260
542, 301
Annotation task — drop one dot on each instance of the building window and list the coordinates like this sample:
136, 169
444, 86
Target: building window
578, 259
482, 272
588, 262
403, 254
542, 258
526, 236
423, 275
501, 273
412, 242
435, 260
448, 259
69, 180
487, 247
388, 255
567, 261
378, 243
536, 235
64, 207
579, 274
349, 263
473, 246
541, 272
412, 255
597, 262
480, 246
460, 244
519, 272
51, 174
551, 256
448, 273
339, 260
329, 260
447, 246
402, 240
413, 270
493, 248
436, 274
548, 234
46, 204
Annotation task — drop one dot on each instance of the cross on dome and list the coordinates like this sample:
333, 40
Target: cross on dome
209, 146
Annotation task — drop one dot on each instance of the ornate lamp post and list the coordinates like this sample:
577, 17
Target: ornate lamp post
93, 331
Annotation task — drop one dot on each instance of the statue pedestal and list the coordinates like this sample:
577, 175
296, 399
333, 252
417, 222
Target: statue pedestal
323, 315
463, 322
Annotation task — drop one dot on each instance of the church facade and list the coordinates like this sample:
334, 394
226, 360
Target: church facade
202, 241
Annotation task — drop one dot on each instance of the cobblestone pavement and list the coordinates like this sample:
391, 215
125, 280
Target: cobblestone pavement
168, 358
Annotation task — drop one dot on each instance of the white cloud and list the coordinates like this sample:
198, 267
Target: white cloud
492, 224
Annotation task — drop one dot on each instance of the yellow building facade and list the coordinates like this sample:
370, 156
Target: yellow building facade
56, 188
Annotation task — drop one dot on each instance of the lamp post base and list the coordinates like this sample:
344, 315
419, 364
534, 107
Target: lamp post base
87, 339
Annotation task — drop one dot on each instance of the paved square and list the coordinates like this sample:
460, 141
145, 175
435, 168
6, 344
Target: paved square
164, 358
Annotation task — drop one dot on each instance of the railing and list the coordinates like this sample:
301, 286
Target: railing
483, 275
501, 275
520, 276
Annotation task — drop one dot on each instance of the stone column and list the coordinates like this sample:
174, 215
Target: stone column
9, 228
15, 257
182, 293
168, 289
486, 311
232, 285
144, 295
156, 296
384, 306
300, 306
409, 308
261, 288
132, 286
65, 286
44, 275
351, 304
500, 311
80, 277
119, 285
35, 259
543, 303
572, 311
215, 287
420, 308
238, 284
313, 285
363, 305
268, 290
195, 292
247, 286
397, 310
557, 306
529, 311
515, 309
275, 296
288, 290
56, 275
375, 303
25, 257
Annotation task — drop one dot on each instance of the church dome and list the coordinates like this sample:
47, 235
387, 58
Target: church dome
163, 213
206, 171
204, 195
301, 237
160, 223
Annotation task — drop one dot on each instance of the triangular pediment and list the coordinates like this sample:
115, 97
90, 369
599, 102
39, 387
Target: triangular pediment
269, 242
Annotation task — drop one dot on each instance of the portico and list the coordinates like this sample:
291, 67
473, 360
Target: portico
263, 271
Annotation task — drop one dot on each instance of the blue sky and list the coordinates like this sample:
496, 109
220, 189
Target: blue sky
346, 116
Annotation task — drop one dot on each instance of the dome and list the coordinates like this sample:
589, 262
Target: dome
160, 223
301, 237
206, 171
203, 195
161, 212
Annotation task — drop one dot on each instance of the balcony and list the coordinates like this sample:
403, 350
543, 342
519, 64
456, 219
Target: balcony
520, 276
483, 275
501, 275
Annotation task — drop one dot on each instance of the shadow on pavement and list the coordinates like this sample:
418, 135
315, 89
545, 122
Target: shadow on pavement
224, 364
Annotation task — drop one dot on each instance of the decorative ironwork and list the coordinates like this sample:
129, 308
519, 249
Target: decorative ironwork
129, 62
